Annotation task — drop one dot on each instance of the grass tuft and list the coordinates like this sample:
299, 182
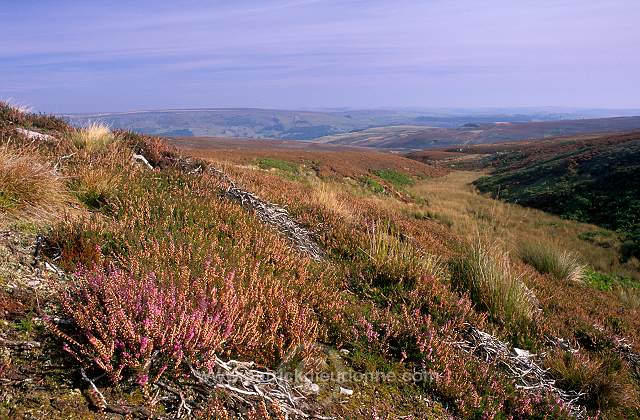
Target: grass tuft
599, 378
547, 259
485, 271
394, 259
95, 136
26, 182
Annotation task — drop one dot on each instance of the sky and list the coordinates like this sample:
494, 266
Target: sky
89, 56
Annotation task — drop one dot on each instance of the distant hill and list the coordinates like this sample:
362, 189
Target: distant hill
419, 137
593, 179
404, 128
246, 123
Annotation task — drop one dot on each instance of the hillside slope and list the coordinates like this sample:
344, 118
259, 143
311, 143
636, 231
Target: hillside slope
595, 180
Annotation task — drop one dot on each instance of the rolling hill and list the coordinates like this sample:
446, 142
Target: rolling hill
382, 128
417, 137
217, 278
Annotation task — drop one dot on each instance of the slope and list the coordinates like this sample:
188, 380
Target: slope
596, 180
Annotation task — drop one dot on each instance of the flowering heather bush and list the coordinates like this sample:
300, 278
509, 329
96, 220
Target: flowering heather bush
143, 325
197, 276
149, 323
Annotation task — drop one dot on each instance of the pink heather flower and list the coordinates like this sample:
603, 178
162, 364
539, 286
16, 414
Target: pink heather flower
143, 380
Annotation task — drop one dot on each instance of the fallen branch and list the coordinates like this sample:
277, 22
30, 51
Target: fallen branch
269, 213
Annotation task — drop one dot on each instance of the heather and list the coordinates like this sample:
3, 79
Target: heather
159, 277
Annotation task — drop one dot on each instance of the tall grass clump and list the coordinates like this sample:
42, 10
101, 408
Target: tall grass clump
27, 182
547, 259
600, 379
394, 259
94, 136
485, 271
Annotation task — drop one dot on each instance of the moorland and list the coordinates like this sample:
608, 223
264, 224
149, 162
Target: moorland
142, 277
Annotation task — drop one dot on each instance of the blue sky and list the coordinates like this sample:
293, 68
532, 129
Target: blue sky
87, 56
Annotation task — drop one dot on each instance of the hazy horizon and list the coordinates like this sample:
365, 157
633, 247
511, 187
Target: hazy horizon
68, 57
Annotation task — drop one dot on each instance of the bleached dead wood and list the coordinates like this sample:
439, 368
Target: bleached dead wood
520, 365
269, 213
273, 215
143, 160
243, 381
33, 135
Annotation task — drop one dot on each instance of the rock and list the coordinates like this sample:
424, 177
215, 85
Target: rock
309, 387
346, 391
344, 351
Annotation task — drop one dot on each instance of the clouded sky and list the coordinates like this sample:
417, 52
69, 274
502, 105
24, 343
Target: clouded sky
85, 56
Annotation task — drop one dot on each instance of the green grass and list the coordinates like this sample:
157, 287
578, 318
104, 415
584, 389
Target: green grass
282, 165
394, 177
607, 281
373, 185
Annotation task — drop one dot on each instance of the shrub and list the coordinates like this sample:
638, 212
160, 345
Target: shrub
562, 265
26, 183
94, 136
22, 116
485, 271
149, 323
173, 236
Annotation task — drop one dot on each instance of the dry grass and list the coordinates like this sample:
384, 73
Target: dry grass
27, 182
94, 136
563, 265
600, 378
454, 198
329, 197
629, 297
